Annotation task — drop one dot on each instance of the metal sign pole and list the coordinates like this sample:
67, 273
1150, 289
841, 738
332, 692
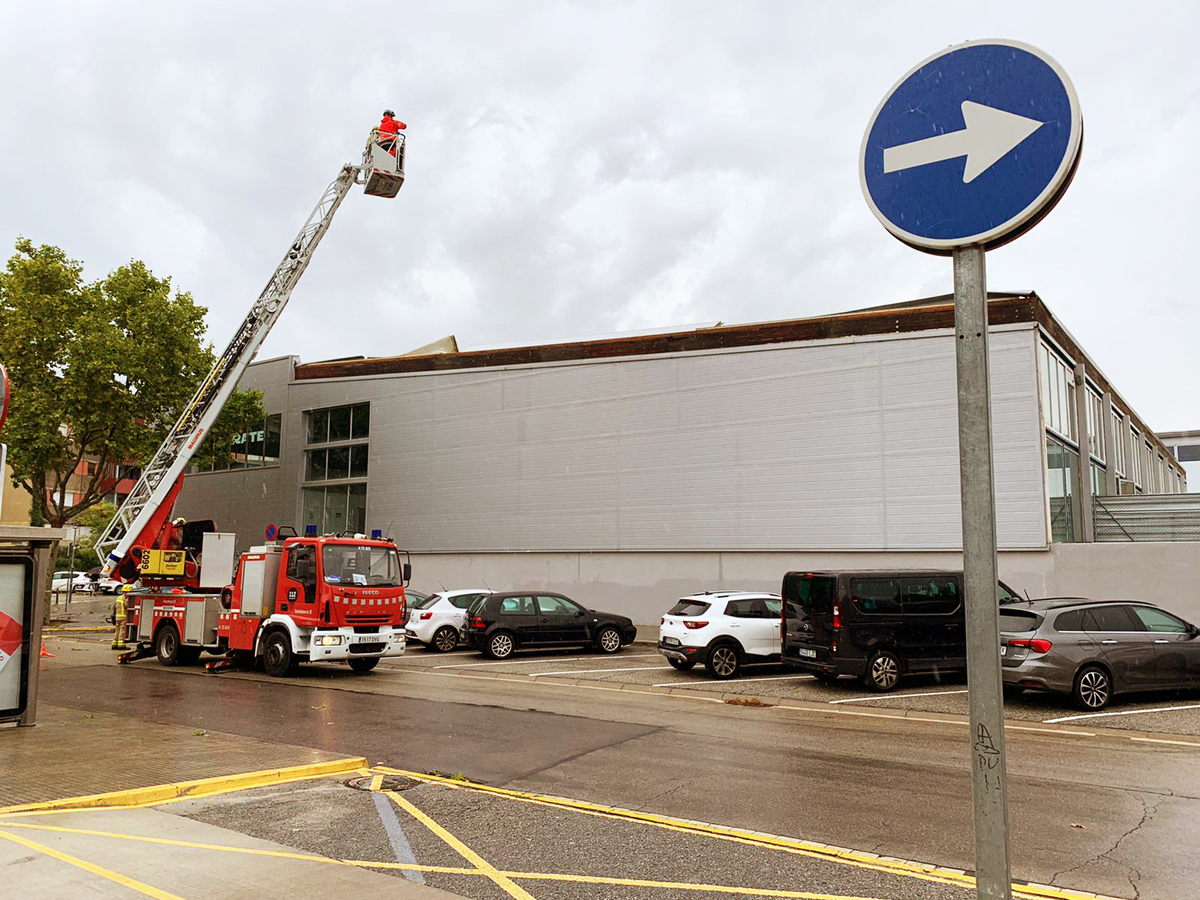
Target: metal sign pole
988, 780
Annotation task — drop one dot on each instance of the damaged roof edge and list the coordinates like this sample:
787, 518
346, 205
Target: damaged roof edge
923, 315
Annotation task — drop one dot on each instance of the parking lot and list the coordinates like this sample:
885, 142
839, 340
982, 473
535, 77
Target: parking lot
639, 666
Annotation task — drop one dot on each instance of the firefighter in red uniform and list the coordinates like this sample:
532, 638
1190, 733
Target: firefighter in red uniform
388, 128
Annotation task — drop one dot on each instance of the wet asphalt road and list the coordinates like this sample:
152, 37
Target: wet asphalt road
894, 787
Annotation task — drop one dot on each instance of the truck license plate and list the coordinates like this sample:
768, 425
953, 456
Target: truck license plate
367, 639
809, 653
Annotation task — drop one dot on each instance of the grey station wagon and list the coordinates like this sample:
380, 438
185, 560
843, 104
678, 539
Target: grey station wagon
1092, 649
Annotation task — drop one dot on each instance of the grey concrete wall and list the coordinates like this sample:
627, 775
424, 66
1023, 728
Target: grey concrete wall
1164, 573
644, 585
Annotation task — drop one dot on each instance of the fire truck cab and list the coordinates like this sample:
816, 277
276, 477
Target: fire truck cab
303, 599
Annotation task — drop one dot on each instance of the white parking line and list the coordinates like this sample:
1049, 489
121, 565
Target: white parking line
738, 681
1125, 712
895, 696
592, 671
527, 661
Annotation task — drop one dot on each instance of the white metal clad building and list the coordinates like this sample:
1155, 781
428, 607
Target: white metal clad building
630, 471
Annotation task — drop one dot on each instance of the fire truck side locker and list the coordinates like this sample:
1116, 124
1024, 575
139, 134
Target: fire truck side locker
260, 576
217, 557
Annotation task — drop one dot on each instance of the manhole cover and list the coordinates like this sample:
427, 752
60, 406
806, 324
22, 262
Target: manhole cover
387, 783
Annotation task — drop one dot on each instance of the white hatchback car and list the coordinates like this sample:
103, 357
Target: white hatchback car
723, 630
437, 620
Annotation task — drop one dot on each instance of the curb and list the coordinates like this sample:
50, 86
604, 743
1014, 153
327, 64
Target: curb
202, 787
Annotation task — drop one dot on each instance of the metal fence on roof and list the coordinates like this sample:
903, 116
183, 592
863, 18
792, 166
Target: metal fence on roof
1148, 517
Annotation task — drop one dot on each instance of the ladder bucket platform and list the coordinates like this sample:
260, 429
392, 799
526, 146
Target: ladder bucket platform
383, 164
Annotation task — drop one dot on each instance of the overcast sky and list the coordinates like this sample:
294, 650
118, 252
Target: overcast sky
580, 169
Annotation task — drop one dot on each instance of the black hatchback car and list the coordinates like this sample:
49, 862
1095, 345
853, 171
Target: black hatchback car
499, 624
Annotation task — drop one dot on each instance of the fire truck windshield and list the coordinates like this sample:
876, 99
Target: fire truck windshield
359, 564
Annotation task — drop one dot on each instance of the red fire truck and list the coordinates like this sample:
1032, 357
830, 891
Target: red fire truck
336, 597
329, 598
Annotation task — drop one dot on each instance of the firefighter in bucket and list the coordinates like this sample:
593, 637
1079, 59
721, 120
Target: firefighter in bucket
119, 616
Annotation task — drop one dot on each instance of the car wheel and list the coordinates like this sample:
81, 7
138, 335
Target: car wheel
364, 664
1093, 689
723, 661
501, 645
445, 639
278, 659
681, 664
608, 640
166, 645
883, 671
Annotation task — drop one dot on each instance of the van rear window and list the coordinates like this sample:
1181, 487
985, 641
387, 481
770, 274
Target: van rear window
688, 608
806, 593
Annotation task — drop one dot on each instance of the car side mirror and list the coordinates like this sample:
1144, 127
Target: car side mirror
1193, 630
579, 613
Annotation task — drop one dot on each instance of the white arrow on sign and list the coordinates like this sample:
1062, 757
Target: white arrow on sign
989, 134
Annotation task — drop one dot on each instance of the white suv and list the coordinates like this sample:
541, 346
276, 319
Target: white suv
723, 630
437, 620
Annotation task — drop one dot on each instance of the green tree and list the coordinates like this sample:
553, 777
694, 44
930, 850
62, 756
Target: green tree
99, 371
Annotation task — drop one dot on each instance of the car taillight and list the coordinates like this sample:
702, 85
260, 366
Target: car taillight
694, 625
1037, 645
837, 617
426, 615
477, 622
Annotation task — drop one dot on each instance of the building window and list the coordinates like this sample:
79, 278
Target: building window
1095, 431
1118, 450
1058, 394
1063, 492
256, 446
336, 457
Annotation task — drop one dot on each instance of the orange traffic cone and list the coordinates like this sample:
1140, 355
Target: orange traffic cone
46, 653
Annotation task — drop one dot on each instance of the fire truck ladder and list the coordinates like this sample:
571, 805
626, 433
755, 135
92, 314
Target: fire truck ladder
382, 173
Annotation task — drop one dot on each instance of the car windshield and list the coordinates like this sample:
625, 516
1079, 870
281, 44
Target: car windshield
688, 608
421, 602
1006, 595
361, 564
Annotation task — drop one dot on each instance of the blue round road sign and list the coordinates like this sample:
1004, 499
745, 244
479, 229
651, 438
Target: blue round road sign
271, 532
973, 146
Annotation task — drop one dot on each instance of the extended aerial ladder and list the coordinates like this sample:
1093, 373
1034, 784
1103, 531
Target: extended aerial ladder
146, 511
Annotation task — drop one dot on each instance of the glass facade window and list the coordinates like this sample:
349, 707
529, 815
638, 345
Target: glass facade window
1065, 523
1118, 450
334, 493
1058, 394
1095, 430
256, 446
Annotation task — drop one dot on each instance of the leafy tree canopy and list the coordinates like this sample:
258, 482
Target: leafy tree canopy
100, 372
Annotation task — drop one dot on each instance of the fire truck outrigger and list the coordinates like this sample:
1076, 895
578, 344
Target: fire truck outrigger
294, 598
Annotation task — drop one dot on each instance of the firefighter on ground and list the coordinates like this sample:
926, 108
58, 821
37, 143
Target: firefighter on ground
119, 603
388, 128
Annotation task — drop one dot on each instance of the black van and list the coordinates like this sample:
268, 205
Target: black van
876, 625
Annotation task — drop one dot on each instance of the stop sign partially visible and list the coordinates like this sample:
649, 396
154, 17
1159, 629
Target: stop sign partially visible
3, 394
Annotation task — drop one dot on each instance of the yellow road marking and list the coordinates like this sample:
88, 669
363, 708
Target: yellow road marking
123, 880
191, 845
841, 855
504, 883
186, 790
376, 782
1165, 741
683, 886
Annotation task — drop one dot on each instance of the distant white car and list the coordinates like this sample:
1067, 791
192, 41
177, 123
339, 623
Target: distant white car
81, 584
77, 581
437, 620
723, 630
